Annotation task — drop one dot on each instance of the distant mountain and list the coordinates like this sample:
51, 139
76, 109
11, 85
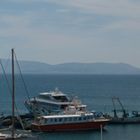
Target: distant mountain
29, 67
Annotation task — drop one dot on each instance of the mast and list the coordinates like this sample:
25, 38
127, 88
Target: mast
13, 96
101, 127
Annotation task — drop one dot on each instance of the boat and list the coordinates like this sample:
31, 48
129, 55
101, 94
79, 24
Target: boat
6, 121
122, 116
18, 134
71, 120
11, 132
52, 102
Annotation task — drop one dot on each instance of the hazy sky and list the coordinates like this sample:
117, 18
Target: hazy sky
58, 31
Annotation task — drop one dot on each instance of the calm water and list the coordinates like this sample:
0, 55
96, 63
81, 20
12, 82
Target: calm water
94, 90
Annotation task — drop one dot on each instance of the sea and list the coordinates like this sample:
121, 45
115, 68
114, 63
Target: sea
96, 91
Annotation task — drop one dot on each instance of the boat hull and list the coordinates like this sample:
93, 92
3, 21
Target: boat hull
94, 125
129, 120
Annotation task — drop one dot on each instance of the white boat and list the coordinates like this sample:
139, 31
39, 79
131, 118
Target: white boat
73, 119
52, 102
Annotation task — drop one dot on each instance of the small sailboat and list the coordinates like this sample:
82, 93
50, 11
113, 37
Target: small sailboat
11, 132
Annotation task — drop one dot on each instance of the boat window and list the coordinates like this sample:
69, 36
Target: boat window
44, 97
91, 117
61, 98
80, 118
63, 106
75, 118
85, 118
46, 120
70, 119
51, 119
65, 119
60, 119
55, 120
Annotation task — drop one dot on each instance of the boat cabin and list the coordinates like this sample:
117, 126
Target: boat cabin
62, 119
53, 96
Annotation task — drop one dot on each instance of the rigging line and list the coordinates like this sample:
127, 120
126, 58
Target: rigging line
5, 76
26, 89
7, 62
13, 87
10, 90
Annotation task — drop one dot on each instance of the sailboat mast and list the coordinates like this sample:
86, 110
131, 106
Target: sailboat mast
13, 96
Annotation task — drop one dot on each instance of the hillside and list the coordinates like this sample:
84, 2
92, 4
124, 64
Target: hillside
29, 67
